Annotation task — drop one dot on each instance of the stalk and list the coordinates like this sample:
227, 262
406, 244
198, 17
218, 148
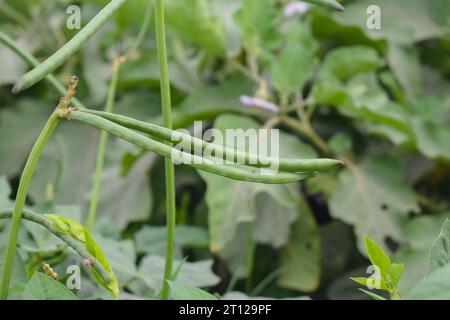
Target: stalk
24, 184
169, 166
20, 202
103, 141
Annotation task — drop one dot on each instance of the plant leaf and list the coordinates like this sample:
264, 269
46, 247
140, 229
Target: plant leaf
42, 287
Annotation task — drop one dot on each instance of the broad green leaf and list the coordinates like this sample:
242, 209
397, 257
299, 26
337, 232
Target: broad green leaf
346, 62
420, 233
440, 250
377, 256
300, 259
287, 79
126, 199
20, 125
152, 239
19, 276
180, 291
374, 198
257, 25
395, 273
435, 286
42, 287
232, 203
195, 21
403, 21
197, 274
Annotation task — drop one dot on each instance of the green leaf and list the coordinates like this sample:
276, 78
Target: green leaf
287, 79
197, 274
374, 198
20, 124
345, 62
181, 291
79, 232
300, 259
440, 250
42, 287
377, 256
93, 248
195, 21
372, 295
74, 228
232, 203
395, 273
257, 24
435, 286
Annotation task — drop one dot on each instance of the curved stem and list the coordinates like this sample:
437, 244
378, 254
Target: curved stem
102, 148
20, 201
66, 238
169, 166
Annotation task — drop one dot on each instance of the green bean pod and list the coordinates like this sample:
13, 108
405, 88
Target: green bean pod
242, 173
71, 242
187, 141
59, 57
31, 60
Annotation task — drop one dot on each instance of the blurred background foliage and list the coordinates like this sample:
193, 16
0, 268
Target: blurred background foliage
379, 98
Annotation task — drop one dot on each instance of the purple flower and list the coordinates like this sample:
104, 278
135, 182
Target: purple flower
258, 102
294, 8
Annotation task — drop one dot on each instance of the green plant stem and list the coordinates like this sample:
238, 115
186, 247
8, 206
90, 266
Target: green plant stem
103, 141
142, 32
66, 238
31, 60
169, 166
20, 201
251, 251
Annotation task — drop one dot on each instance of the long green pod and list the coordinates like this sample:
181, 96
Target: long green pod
71, 242
30, 59
59, 57
188, 141
332, 4
242, 173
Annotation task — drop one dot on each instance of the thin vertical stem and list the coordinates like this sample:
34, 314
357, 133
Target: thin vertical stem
103, 141
22, 192
251, 250
169, 167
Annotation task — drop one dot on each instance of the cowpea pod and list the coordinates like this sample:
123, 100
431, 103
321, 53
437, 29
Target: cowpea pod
187, 141
332, 4
59, 57
242, 173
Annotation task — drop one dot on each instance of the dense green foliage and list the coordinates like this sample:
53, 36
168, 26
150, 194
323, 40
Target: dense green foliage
377, 100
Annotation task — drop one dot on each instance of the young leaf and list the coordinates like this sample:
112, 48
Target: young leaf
181, 291
373, 295
377, 256
42, 287
93, 248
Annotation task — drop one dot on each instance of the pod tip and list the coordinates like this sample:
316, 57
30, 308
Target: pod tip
339, 6
17, 88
